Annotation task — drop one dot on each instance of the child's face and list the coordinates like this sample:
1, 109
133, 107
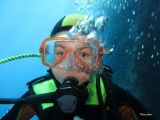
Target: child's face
74, 69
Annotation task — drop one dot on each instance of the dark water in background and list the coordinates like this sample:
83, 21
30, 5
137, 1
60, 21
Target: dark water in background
132, 30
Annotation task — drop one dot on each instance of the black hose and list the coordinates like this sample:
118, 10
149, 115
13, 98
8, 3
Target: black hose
32, 99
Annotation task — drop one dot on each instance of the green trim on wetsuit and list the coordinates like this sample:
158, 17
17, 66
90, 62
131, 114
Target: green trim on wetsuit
45, 87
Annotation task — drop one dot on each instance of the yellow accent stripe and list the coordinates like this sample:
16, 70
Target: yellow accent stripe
72, 19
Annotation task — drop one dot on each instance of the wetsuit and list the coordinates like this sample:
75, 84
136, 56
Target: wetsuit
119, 105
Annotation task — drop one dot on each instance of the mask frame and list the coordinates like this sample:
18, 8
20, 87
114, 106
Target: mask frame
79, 39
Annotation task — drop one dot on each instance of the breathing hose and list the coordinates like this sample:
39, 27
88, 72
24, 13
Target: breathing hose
5, 60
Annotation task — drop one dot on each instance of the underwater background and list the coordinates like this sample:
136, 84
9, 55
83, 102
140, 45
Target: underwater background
133, 31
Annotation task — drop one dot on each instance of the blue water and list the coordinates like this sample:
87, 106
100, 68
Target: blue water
23, 26
132, 31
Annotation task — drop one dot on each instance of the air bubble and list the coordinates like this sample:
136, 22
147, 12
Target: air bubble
142, 33
154, 47
136, 1
124, 7
152, 14
133, 12
149, 35
154, 64
152, 56
126, 50
137, 37
128, 20
155, 18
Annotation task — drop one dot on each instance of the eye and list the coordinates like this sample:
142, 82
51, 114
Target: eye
84, 55
59, 53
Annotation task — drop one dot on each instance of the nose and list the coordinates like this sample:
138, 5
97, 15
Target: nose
68, 63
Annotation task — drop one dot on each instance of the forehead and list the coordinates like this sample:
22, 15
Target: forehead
73, 44
70, 44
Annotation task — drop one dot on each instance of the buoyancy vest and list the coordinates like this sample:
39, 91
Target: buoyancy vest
49, 85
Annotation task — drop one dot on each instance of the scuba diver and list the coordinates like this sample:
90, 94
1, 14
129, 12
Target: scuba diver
77, 85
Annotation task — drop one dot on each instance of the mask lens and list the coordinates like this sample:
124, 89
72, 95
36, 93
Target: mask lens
84, 53
53, 52
87, 55
49, 52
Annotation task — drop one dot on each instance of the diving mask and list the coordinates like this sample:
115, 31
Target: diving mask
71, 53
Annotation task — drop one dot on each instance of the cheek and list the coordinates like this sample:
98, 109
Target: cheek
61, 74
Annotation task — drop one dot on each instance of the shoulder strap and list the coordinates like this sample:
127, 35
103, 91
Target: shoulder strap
41, 85
38, 107
111, 102
39, 79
